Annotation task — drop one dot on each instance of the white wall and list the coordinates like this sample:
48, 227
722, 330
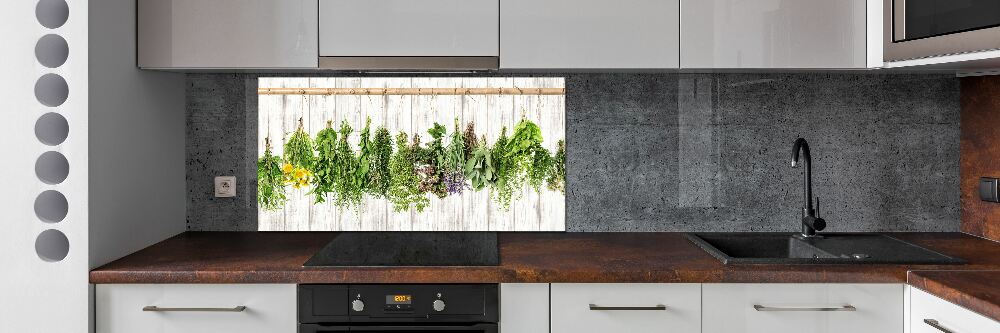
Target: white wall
137, 122
137, 185
39, 295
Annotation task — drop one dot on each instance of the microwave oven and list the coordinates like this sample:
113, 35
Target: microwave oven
915, 29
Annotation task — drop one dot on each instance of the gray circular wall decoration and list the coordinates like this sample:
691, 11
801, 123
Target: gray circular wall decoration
52, 245
51, 90
51, 206
51, 51
51, 129
52, 167
52, 13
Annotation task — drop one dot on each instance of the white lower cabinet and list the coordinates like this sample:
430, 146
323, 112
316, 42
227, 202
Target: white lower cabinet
180, 308
930, 314
803, 308
524, 308
634, 308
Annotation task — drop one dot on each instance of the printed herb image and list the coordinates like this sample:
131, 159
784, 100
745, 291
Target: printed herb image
408, 174
389, 153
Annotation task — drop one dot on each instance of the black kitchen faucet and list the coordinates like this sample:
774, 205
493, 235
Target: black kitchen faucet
810, 221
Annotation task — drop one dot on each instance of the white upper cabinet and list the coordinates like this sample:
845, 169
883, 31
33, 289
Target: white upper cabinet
780, 34
193, 34
589, 34
407, 28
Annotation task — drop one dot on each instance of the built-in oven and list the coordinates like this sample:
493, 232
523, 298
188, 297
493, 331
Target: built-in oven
373, 308
916, 29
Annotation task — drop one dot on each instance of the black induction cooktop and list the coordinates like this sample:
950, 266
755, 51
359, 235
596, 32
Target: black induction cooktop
408, 249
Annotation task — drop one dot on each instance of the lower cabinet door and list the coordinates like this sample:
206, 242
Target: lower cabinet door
634, 308
930, 314
803, 308
190, 308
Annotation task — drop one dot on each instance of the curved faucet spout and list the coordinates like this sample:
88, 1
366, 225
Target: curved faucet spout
810, 222
807, 189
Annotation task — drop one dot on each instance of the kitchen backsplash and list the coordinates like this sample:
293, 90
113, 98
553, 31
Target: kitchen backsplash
681, 152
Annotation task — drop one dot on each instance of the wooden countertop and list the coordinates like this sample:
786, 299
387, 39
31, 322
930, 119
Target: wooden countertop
978, 291
277, 257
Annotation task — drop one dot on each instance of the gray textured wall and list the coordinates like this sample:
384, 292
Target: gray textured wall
684, 152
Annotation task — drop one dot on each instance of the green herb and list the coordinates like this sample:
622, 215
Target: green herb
379, 176
270, 187
541, 167
454, 155
299, 149
404, 185
479, 168
361, 173
506, 170
325, 173
454, 166
433, 174
348, 187
557, 174
527, 137
470, 139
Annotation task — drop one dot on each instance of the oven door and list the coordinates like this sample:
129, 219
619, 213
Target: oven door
914, 29
473, 328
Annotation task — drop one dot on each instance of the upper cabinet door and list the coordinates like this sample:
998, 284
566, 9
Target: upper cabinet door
408, 28
179, 34
589, 34
775, 34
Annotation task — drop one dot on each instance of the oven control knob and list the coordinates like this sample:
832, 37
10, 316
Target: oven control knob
438, 305
358, 305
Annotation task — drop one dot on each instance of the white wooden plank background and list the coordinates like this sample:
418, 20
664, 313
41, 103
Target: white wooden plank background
472, 211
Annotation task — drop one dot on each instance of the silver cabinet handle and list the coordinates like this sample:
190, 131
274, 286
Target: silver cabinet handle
935, 324
759, 307
159, 309
596, 307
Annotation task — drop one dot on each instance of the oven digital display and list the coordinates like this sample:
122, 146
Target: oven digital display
398, 299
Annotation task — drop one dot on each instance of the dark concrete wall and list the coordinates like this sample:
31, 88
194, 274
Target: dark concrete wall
684, 152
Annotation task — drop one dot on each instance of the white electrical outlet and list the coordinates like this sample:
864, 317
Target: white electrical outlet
225, 187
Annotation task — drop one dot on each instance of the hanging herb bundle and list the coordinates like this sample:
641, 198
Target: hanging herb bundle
404, 191
379, 176
454, 164
298, 157
325, 174
299, 148
541, 167
270, 187
364, 154
479, 167
470, 139
528, 154
420, 155
432, 175
505, 170
347, 188
557, 174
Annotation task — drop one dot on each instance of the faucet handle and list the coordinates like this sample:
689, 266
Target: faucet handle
817, 206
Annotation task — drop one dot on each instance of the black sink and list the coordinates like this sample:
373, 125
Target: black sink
837, 248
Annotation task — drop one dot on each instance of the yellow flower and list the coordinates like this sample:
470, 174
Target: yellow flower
287, 168
301, 173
